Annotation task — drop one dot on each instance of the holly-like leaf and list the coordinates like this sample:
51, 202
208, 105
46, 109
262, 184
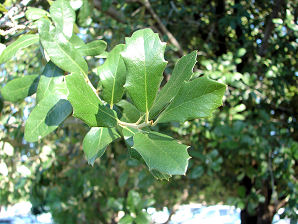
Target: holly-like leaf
144, 60
112, 75
93, 48
47, 115
51, 76
22, 42
96, 141
86, 104
183, 70
162, 153
19, 88
35, 13
130, 113
196, 99
60, 50
63, 17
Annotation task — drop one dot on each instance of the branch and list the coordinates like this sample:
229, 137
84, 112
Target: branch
112, 12
269, 27
163, 28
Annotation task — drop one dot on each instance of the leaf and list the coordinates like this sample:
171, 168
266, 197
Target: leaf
60, 50
112, 75
51, 76
96, 141
130, 113
162, 153
2, 8
144, 60
85, 14
35, 13
63, 17
160, 176
183, 70
19, 88
47, 115
86, 104
22, 42
196, 99
143, 218
76, 41
93, 48
127, 219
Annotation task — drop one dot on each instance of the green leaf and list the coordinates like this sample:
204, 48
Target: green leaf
86, 104
35, 13
22, 42
76, 41
143, 218
127, 219
2, 8
51, 76
196, 99
47, 115
144, 60
60, 50
183, 70
162, 153
19, 88
130, 113
93, 48
63, 17
160, 176
112, 75
85, 14
96, 141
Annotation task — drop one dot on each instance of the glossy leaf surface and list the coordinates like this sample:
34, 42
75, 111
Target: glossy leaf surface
112, 75
93, 48
35, 13
19, 88
96, 141
63, 16
162, 153
47, 115
196, 99
51, 76
22, 42
86, 104
130, 113
183, 70
144, 60
60, 50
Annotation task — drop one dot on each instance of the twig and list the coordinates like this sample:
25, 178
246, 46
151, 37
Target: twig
112, 12
163, 28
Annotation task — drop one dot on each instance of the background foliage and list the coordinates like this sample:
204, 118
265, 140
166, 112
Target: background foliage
245, 155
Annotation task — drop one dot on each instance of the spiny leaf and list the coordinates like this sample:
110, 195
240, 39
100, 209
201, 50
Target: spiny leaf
144, 60
96, 141
19, 88
162, 153
196, 99
86, 104
112, 76
183, 70
22, 42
